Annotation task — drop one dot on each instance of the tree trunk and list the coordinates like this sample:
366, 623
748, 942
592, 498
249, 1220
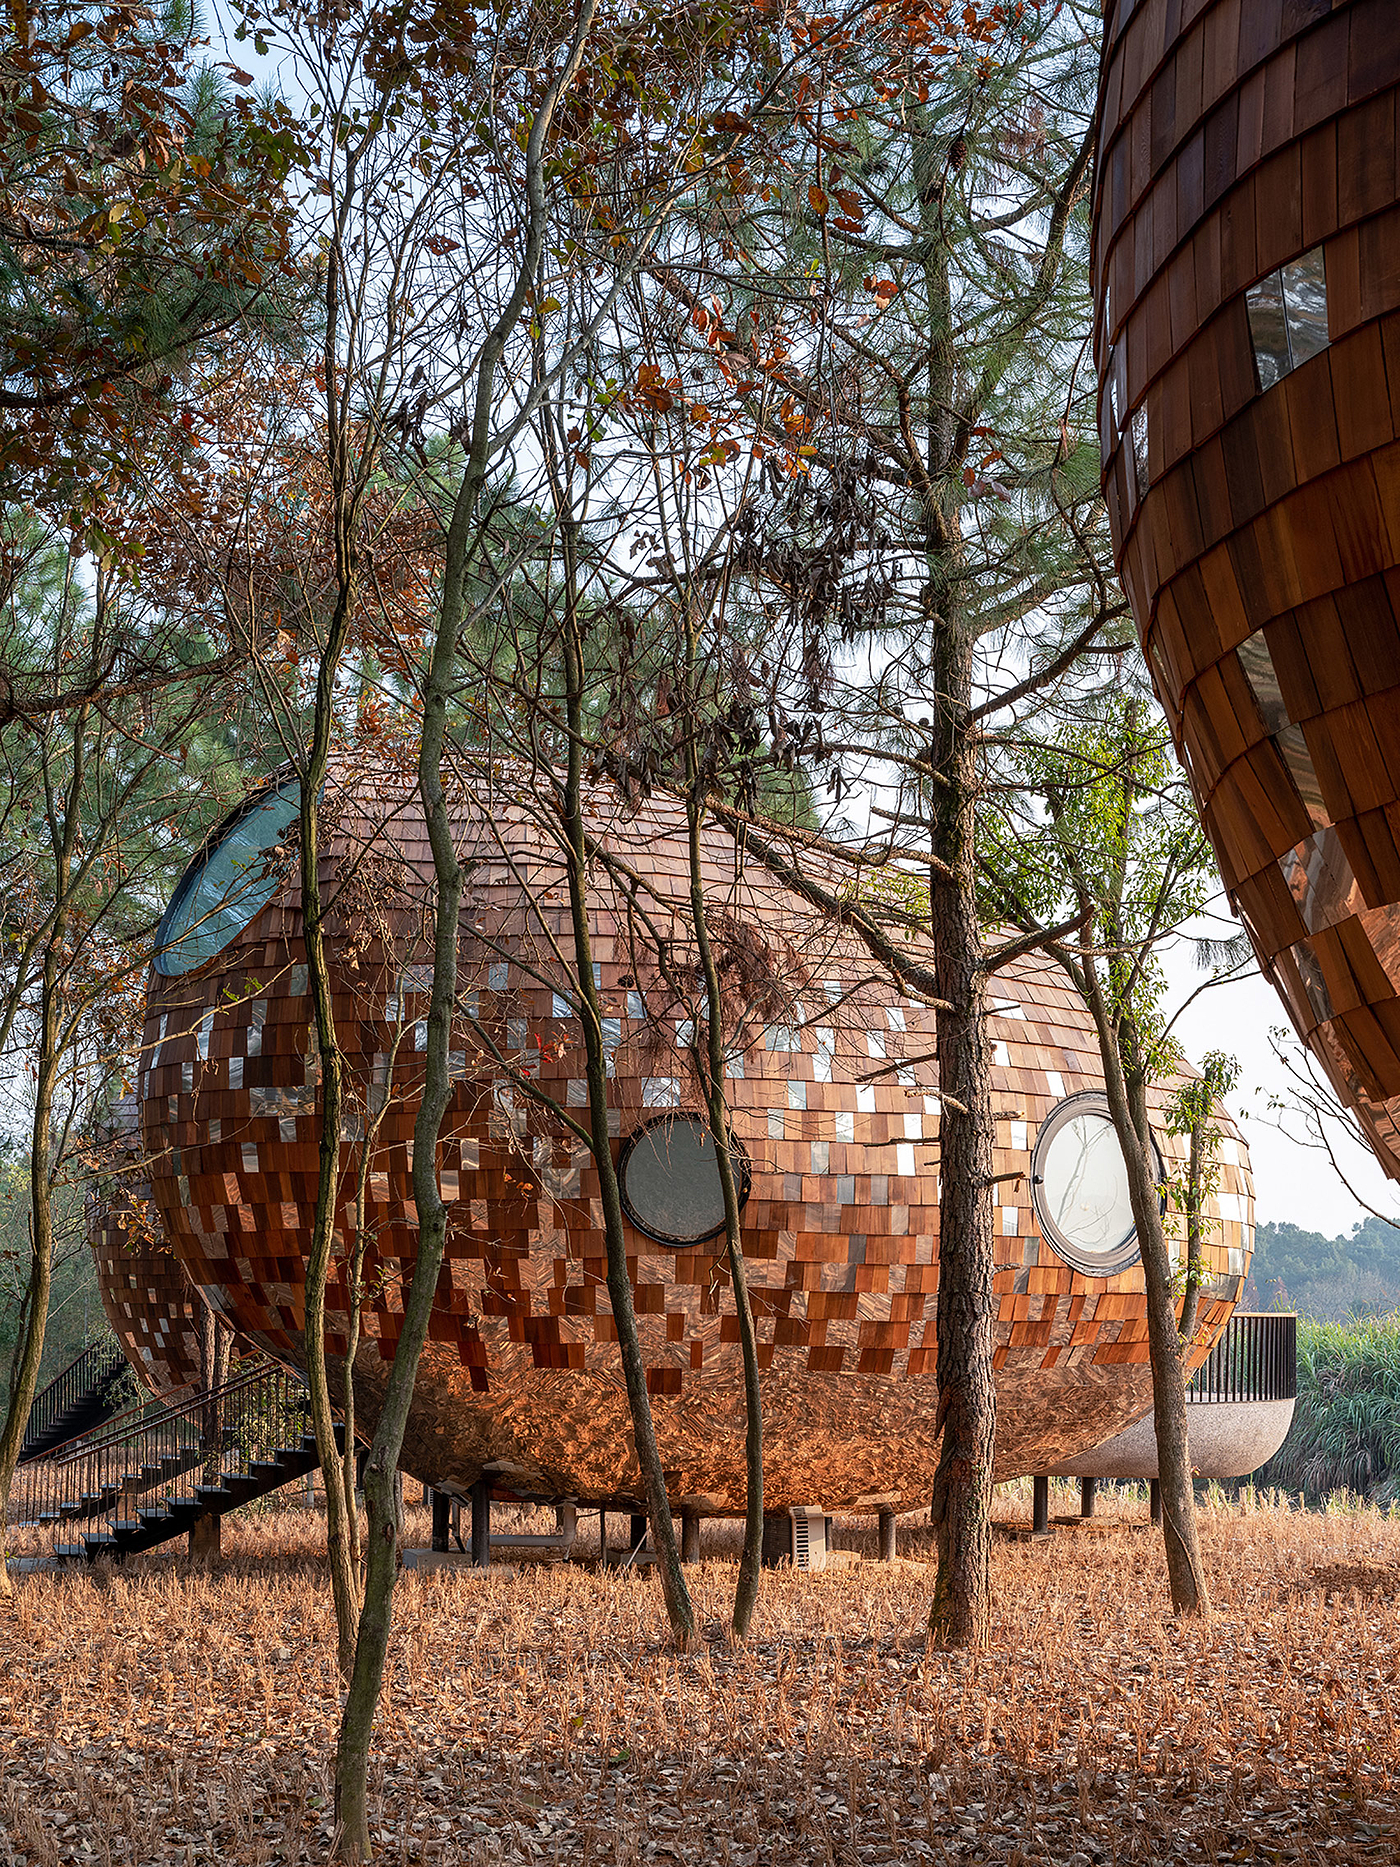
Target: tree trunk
962, 1486
29, 1350
24, 1378
1191, 1301
1127, 1100
339, 1504
382, 1464
712, 1076
1182, 1545
215, 1342
673, 1585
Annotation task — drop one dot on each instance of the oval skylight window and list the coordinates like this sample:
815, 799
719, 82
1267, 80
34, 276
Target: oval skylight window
1079, 1187
669, 1180
222, 891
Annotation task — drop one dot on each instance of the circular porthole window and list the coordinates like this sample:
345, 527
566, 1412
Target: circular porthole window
227, 885
1079, 1187
669, 1180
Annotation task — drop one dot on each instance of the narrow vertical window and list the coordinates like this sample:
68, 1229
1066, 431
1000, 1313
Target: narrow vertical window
1288, 317
1305, 301
1140, 450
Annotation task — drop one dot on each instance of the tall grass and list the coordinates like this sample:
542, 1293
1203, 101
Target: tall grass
1346, 1427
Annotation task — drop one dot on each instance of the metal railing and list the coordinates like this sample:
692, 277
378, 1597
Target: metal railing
1256, 1358
81, 1380
143, 1459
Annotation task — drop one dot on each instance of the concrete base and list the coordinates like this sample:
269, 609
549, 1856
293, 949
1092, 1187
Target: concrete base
1228, 1438
423, 1560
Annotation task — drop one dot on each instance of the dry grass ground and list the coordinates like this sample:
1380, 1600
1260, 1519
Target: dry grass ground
168, 1715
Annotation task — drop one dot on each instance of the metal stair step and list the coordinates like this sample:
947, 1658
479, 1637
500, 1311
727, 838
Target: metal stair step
70, 1552
214, 1497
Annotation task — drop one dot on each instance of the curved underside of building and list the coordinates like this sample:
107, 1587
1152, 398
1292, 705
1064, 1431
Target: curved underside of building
832, 1089
1247, 273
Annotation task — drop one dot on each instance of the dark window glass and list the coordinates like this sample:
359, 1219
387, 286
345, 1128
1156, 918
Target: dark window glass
1259, 671
1294, 747
670, 1180
234, 881
1288, 317
1268, 330
1140, 450
1305, 301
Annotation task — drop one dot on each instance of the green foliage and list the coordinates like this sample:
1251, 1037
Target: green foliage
75, 1306
1190, 1114
142, 212
1329, 1279
1098, 820
1346, 1427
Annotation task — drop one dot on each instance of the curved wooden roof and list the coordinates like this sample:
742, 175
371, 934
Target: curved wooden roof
1247, 273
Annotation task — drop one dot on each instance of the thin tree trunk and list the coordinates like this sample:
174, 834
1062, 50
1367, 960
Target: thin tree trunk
962, 1486
1127, 1100
215, 1340
29, 1353
381, 1466
340, 1504
673, 1584
25, 1378
711, 1070
1191, 1301
439, 689
751, 1561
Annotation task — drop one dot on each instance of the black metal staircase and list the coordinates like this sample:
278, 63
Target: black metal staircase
87, 1393
153, 1473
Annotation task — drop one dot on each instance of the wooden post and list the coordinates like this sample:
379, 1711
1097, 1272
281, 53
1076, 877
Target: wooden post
442, 1517
690, 1536
603, 1539
1154, 1500
206, 1536
481, 1524
1088, 1490
1040, 1507
887, 1543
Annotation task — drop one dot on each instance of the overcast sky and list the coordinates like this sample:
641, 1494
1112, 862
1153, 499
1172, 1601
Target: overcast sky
1291, 1181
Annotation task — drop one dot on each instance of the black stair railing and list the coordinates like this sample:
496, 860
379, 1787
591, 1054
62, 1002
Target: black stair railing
184, 1454
1256, 1358
81, 1383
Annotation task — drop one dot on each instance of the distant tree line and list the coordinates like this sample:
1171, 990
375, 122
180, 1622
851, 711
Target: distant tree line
1327, 1279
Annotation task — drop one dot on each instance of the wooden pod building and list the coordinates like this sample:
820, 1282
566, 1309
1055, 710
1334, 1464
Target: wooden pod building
1247, 278
830, 1083
149, 1302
